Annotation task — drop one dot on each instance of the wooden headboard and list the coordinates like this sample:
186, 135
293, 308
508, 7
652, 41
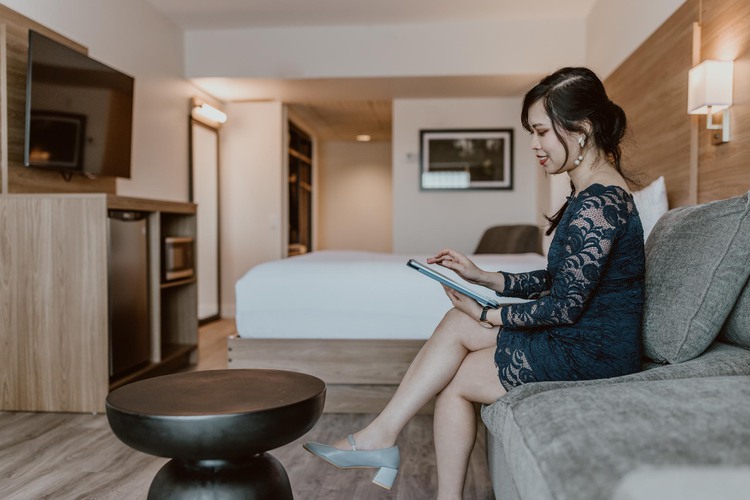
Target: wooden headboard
651, 86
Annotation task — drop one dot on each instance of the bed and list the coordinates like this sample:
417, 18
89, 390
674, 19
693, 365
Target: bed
353, 319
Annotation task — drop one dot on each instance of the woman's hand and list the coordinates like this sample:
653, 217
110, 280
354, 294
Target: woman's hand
463, 303
450, 259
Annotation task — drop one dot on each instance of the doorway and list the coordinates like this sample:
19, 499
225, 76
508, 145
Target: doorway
300, 191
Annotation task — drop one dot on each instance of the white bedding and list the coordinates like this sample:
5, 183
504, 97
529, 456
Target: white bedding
351, 295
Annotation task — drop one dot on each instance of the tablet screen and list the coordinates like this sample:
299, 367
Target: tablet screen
445, 280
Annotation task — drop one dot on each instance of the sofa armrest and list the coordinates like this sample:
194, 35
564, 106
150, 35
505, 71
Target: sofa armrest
718, 360
684, 483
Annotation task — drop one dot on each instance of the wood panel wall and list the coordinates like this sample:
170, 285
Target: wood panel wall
725, 170
53, 320
20, 178
651, 86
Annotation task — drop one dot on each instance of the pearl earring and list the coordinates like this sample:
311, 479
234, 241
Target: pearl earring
582, 142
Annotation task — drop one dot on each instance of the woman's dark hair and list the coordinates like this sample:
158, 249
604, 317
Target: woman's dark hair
574, 99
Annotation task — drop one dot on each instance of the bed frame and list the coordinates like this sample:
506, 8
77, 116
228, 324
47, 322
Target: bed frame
361, 375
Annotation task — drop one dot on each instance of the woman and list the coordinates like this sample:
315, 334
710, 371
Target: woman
583, 321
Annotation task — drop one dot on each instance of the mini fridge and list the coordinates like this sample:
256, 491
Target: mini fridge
129, 331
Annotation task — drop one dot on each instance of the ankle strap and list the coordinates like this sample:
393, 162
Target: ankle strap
352, 442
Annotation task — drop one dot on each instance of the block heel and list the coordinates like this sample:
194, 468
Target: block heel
385, 477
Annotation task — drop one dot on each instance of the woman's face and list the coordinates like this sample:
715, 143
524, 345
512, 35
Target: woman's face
548, 149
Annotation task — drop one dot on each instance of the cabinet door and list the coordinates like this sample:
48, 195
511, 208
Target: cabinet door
204, 190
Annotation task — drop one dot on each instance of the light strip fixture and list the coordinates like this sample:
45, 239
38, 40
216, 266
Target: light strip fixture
201, 110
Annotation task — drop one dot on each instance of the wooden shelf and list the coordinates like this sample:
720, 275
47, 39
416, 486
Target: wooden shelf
170, 353
132, 377
126, 203
300, 188
172, 284
300, 156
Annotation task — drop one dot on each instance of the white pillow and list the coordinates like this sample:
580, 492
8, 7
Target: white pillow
651, 203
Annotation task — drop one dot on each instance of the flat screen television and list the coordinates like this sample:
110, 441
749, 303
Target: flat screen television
79, 112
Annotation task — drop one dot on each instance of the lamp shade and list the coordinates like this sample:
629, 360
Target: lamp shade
710, 84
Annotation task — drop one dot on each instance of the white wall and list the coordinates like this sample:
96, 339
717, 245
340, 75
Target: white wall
355, 206
252, 181
615, 28
137, 39
426, 221
513, 47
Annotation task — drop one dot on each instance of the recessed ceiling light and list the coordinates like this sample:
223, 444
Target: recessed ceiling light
364, 138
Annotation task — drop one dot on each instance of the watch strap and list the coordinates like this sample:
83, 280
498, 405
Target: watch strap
483, 316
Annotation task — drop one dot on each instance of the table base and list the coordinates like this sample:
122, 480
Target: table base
259, 477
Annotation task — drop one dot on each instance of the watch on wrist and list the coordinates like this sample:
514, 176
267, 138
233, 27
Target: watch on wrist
483, 318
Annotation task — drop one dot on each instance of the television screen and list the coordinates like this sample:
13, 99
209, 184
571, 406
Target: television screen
79, 112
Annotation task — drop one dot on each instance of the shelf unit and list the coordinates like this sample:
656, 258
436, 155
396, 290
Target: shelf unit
54, 330
300, 191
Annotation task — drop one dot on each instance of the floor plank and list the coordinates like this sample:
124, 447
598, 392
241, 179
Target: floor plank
76, 456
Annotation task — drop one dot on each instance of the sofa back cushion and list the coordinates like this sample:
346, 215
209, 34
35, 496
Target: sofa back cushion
696, 265
737, 328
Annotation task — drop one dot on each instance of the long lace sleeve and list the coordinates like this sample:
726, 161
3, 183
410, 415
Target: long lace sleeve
531, 285
587, 245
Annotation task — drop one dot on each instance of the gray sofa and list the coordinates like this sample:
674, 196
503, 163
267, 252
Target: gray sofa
621, 438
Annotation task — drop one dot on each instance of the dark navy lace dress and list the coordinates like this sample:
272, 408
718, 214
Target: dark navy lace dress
585, 320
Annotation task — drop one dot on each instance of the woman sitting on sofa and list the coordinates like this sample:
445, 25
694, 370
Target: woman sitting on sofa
583, 321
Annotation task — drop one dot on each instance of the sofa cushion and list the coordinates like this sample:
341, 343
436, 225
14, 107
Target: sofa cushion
736, 330
696, 265
718, 360
578, 442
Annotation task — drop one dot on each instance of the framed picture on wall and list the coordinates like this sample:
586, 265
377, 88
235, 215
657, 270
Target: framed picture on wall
466, 159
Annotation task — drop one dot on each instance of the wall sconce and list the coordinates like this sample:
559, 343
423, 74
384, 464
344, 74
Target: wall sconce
205, 112
709, 91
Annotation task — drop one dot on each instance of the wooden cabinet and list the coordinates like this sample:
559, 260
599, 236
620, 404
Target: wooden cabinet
54, 346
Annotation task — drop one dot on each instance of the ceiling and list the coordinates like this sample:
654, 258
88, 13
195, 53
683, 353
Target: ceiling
336, 109
344, 120
213, 14
340, 109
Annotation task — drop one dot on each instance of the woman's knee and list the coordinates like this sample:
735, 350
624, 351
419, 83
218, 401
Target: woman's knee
457, 385
450, 392
461, 329
455, 324
445, 395
475, 380
453, 315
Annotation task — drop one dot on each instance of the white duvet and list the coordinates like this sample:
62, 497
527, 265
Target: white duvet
352, 295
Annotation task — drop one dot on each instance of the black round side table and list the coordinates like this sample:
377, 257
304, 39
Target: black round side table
216, 427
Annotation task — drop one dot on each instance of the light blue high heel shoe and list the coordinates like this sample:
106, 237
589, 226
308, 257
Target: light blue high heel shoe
386, 460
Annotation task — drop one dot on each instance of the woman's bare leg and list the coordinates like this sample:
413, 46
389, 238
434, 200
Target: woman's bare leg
432, 369
456, 421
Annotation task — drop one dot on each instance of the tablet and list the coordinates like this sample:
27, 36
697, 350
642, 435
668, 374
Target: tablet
445, 280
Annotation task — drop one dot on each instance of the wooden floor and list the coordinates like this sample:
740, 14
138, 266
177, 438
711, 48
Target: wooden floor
76, 456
